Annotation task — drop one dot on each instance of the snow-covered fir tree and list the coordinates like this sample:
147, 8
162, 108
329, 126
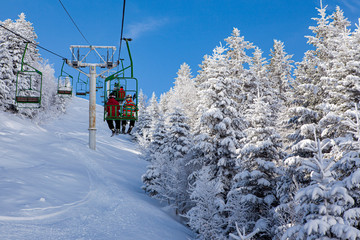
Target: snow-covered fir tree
260, 82
204, 217
153, 111
144, 118
252, 199
167, 175
184, 92
312, 101
152, 179
7, 77
217, 138
164, 103
347, 168
323, 202
238, 60
177, 146
279, 74
13, 48
280, 71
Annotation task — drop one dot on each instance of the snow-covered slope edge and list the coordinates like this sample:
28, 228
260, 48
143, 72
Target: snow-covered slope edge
54, 187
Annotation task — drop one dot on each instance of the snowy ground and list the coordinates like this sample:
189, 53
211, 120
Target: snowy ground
52, 186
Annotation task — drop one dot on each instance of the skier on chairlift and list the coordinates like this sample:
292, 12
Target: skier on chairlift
119, 92
129, 109
112, 109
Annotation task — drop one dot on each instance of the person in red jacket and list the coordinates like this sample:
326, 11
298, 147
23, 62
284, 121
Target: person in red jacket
119, 93
129, 111
112, 109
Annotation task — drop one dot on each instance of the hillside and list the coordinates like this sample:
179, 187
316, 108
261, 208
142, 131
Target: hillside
54, 187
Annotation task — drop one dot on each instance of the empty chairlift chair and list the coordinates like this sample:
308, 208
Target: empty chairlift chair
28, 85
65, 82
81, 87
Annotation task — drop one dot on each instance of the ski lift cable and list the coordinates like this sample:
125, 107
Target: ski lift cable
74, 22
36, 45
122, 27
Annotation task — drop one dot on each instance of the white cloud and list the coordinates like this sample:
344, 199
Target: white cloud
137, 29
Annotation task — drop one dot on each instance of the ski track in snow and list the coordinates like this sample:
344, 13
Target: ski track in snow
55, 187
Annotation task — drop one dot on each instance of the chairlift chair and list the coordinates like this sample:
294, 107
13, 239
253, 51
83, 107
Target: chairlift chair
28, 85
65, 82
99, 84
130, 85
81, 87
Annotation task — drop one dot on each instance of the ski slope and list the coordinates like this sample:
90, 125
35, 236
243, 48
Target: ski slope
52, 186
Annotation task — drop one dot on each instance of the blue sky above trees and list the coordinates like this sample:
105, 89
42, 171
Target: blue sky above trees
168, 33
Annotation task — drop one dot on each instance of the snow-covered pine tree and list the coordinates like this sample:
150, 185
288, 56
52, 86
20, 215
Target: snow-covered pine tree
164, 103
205, 217
152, 179
352, 86
258, 68
184, 91
144, 119
312, 102
7, 77
252, 199
15, 46
167, 175
323, 80
177, 146
323, 202
343, 122
312, 83
339, 79
52, 104
279, 74
239, 60
279, 71
260, 82
217, 138
153, 111
347, 168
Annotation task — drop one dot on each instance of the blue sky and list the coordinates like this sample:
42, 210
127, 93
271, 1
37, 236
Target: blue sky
167, 33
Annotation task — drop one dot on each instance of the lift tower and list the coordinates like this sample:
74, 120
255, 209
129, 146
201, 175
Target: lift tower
78, 61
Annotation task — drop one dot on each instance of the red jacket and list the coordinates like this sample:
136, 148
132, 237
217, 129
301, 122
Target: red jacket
129, 108
121, 94
112, 107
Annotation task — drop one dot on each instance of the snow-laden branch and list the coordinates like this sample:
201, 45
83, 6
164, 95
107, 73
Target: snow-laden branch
242, 236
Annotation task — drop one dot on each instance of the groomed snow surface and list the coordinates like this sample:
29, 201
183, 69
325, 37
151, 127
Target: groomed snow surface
52, 186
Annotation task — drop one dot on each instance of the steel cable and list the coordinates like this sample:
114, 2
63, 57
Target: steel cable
122, 27
74, 22
36, 45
